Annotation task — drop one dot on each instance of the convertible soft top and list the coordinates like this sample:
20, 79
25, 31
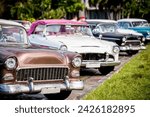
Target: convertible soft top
53, 22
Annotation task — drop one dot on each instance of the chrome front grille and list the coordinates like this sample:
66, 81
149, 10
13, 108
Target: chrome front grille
132, 38
133, 43
55, 73
96, 56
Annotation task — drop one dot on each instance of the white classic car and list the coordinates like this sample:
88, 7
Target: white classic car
78, 38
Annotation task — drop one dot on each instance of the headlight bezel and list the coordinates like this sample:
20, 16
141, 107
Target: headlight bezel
143, 39
11, 63
116, 49
124, 39
77, 61
63, 48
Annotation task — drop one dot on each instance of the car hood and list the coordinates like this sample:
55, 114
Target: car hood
33, 57
82, 44
146, 28
112, 35
43, 41
128, 31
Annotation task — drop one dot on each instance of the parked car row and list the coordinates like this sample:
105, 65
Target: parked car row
130, 39
46, 58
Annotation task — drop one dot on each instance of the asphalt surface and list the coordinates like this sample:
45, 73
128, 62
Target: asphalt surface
92, 78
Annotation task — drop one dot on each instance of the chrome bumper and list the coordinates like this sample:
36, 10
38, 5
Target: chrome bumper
148, 38
45, 88
125, 48
97, 64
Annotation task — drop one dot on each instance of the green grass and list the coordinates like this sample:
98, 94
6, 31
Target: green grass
132, 82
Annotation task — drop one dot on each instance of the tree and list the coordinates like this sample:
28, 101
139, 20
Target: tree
45, 9
2, 7
124, 8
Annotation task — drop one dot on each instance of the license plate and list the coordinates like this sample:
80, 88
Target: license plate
48, 90
93, 65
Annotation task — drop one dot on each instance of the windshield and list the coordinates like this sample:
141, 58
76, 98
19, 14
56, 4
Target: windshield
140, 23
67, 29
12, 35
107, 28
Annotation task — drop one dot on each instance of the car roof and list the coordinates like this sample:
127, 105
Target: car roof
107, 23
100, 21
131, 19
59, 21
53, 22
9, 22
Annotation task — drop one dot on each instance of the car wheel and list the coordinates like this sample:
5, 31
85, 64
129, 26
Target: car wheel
106, 70
58, 96
132, 52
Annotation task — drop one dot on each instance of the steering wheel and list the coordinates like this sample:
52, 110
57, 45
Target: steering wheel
3, 38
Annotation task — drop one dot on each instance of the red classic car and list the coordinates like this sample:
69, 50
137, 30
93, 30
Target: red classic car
25, 69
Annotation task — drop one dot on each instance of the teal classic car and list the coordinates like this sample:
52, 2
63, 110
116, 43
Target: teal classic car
145, 30
139, 25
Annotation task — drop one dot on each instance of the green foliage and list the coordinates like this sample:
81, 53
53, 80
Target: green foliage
130, 8
43, 9
131, 83
2, 7
71, 5
40, 9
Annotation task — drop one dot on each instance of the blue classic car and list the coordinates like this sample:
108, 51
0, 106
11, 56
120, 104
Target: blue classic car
139, 25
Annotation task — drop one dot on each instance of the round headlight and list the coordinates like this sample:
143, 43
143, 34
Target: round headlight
143, 39
116, 49
124, 39
63, 48
11, 63
76, 62
139, 38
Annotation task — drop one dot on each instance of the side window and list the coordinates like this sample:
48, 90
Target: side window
14, 34
39, 29
119, 24
100, 29
126, 25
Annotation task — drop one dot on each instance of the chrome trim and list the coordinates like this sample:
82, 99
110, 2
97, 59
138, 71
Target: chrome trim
24, 88
30, 84
110, 63
125, 48
51, 73
147, 38
105, 63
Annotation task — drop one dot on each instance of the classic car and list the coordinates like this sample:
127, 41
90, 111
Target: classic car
128, 40
139, 25
78, 38
25, 69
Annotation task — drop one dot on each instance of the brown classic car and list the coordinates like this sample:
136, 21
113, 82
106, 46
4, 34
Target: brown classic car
25, 69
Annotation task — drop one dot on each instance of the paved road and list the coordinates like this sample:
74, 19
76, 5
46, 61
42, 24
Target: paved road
91, 77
